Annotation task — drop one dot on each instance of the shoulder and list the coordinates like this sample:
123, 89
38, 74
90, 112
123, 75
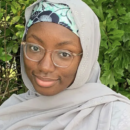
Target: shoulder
120, 119
14, 99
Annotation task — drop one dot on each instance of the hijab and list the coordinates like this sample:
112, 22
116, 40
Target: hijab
85, 104
58, 13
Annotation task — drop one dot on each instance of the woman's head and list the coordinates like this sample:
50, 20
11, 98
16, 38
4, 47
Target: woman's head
52, 48
51, 36
46, 77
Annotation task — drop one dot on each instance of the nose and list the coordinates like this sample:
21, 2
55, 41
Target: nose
46, 65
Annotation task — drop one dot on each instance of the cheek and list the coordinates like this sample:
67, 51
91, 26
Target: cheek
29, 67
68, 74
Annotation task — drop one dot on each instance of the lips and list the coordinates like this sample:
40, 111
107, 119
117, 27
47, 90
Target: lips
45, 82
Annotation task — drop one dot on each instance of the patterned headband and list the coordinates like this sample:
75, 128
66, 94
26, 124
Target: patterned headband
55, 13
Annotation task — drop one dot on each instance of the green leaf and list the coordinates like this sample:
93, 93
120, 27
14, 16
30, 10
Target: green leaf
9, 47
14, 10
1, 15
108, 78
116, 44
125, 19
116, 34
121, 58
99, 2
113, 47
19, 26
111, 24
118, 72
111, 12
121, 11
126, 37
96, 7
128, 80
99, 12
101, 56
15, 19
20, 34
106, 65
4, 56
15, 48
104, 44
16, 5
103, 30
7, 18
21, 1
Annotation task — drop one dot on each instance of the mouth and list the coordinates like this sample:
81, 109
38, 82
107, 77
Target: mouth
45, 82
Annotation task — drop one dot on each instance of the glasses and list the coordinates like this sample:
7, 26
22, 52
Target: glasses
60, 58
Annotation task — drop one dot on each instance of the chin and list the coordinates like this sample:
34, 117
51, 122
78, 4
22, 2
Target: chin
47, 92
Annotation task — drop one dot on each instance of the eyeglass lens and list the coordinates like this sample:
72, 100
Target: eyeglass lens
61, 58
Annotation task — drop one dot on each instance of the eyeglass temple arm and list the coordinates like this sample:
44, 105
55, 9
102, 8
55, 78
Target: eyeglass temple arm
23, 43
77, 54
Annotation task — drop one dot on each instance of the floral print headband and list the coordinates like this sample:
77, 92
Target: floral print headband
55, 13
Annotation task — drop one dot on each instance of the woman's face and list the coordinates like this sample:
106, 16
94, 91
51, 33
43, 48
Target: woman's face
47, 78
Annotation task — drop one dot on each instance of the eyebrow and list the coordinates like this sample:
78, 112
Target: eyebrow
65, 43
36, 38
59, 44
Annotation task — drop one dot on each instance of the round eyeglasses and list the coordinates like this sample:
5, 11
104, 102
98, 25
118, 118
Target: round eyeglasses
60, 58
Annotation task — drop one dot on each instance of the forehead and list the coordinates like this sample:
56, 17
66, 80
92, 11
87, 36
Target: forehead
46, 33
52, 29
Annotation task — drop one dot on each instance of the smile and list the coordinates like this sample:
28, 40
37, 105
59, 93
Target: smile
45, 82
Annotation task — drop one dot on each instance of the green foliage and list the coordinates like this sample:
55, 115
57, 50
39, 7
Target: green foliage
11, 14
114, 58
11, 31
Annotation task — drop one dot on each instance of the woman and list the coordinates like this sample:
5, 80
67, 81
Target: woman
59, 67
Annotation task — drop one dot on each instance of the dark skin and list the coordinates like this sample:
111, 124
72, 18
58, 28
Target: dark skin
52, 36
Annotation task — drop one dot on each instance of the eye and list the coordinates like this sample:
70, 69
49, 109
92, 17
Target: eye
35, 48
64, 54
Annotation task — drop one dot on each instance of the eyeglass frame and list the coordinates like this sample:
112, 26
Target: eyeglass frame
73, 54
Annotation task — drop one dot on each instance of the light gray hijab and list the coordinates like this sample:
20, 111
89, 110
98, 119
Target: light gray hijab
86, 104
